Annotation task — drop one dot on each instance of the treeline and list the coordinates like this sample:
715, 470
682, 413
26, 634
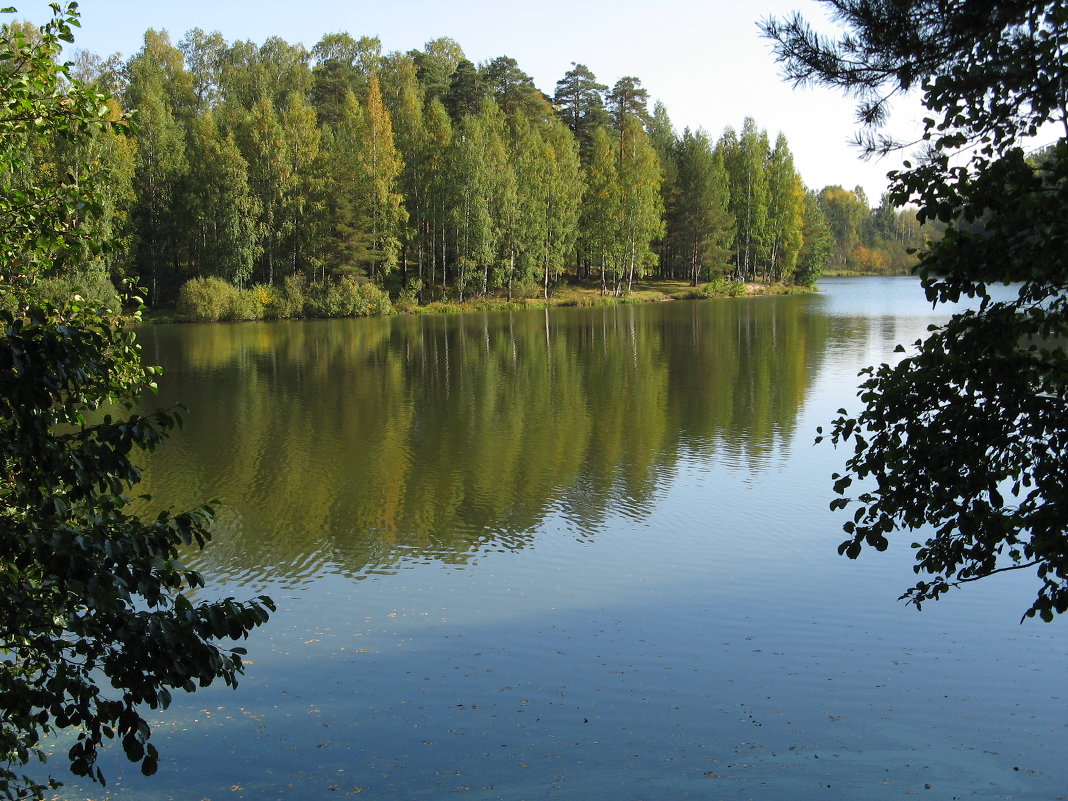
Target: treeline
871, 240
315, 182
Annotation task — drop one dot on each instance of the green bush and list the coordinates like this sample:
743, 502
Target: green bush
347, 297
408, 299
206, 299
721, 288
247, 304
289, 300
212, 299
94, 287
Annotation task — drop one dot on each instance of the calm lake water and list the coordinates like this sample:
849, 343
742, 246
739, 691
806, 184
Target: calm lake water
577, 554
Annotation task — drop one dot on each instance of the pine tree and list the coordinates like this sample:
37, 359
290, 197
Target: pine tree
513, 90
579, 101
467, 90
350, 237
436, 63
334, 75
628, 99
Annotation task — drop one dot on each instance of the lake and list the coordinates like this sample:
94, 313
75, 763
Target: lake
577, 554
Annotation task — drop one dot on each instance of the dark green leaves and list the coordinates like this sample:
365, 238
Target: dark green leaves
966, 436
93, 620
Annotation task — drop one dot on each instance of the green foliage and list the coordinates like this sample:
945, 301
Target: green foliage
160, 161
745, 156
95, 620
408, 299
41, 232
383, 164
206, 299
580, 101
212, 299
346, 297
701, 227
846, 214
253, 163
786, 208
716, 288
467, 91
639, 204
91, 591
89, 286
248, 304
870, 241
817, 243
600, 207
723, 288
288, 300
965, 437
475, 161
221, 211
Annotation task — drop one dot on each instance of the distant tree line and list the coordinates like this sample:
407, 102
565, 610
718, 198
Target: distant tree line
871, 240
319, 181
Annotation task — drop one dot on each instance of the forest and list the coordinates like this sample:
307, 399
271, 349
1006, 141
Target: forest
276, 181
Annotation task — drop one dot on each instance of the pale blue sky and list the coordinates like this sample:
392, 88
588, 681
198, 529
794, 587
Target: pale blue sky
704, 60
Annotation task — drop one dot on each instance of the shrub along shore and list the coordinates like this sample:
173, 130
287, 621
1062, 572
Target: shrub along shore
212, 299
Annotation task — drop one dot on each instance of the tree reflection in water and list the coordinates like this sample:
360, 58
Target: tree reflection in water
358, 445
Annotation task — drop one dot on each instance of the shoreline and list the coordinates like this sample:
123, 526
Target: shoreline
568, 296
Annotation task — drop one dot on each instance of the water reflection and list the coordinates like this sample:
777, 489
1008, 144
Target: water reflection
358, 446
677, 623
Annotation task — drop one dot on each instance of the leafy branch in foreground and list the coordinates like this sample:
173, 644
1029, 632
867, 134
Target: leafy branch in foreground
966, 437
95, 622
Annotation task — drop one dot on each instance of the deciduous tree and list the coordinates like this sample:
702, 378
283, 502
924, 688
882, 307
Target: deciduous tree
96, 619
745, 158
704, 228
160, 169
786, 207
964, 440
221, 232
386, 212
817, 242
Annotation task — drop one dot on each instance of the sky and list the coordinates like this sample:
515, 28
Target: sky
706, 61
